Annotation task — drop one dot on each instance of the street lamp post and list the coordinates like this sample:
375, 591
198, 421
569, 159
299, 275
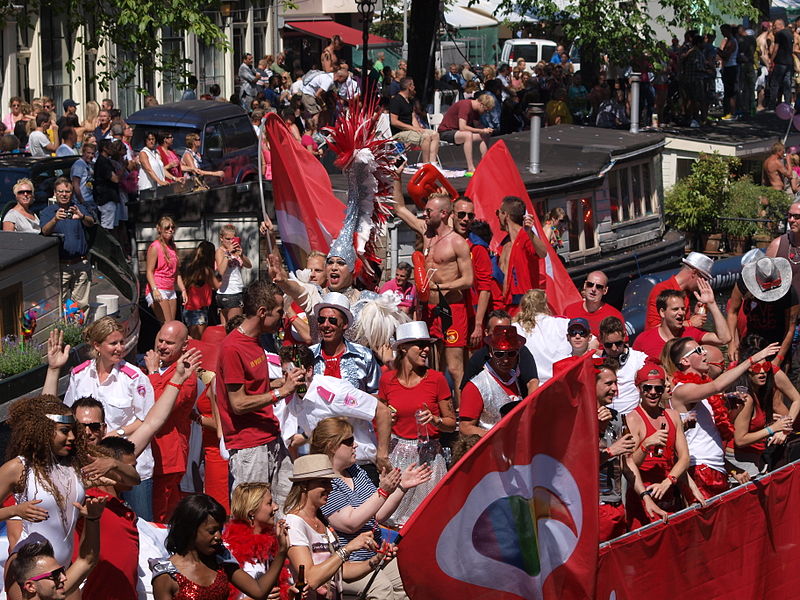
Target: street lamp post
365, 9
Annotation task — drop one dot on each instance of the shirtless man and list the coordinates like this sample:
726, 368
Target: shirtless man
329, 59
764, 44
778, 172
448, 254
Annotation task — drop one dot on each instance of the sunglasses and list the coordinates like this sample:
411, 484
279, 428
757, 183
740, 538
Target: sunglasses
793, 216
169, 228
462, 214
591, 284
504, 353
422, 344
20, 192
348, 441
649, 387
332, 320
577, 332
610, 345
95, 426
762, 367
696, 350
55, 575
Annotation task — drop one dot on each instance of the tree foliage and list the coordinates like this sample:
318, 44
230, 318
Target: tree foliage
123, 35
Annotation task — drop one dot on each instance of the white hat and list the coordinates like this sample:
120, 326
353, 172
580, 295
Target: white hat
768, 279
700, 263
337, 301
413, 331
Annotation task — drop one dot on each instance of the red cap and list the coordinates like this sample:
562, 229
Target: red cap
650, 371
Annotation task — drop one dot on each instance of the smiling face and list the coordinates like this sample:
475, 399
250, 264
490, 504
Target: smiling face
111, 349
331, 330
171, 342
338, 274
264, 515
464, 214
595, 287
416, 353
606, 387
166, 230
651, 391
90, 421
63, 439
46, 580
24, 195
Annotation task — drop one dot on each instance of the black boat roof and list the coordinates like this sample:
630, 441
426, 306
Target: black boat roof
14, 247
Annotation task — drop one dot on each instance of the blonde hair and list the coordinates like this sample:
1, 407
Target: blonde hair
487, 100
328, 435
533, 303
246, 498
191, 137
666, 360
296, 498
99, 331
23, 181
91, 111
227, 228
162, 222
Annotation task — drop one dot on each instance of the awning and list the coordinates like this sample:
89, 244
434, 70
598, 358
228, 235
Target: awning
327, 29
462, 17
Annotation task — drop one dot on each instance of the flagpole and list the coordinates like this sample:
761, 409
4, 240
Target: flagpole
261, 180
362, 595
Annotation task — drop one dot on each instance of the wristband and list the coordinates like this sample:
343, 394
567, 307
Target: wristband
343, 554
177, 386
779, 358
673, 479
770, 431
750, 359
383, 493
645, 493
401, 488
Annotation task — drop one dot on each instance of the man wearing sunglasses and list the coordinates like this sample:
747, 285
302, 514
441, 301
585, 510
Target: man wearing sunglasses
592, 308
661, 454
787, 245
495, 386
37, 572
696, 268
671, 306
614, 345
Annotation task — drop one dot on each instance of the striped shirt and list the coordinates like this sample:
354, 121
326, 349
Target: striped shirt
341, 495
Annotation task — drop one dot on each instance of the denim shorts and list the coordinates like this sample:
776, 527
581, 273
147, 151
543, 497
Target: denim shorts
230, 300
195, 317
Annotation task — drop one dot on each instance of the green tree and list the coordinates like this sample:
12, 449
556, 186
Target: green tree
123, 34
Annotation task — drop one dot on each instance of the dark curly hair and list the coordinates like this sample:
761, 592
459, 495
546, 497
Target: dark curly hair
32, 439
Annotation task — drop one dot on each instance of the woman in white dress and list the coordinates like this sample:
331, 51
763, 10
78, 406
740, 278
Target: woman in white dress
545, 335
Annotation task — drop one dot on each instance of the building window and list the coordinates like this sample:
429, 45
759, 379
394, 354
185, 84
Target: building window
10, 310
56, 51
172, 56
211, 67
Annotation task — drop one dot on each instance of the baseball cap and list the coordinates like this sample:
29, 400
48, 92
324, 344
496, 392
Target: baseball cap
69, 102
650, 371
579, 322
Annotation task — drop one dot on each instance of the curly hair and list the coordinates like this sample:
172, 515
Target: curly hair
533, 304
32, 435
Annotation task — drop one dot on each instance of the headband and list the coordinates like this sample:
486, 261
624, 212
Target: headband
66, 419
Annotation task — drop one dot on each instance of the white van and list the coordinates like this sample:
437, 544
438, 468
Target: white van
531, 49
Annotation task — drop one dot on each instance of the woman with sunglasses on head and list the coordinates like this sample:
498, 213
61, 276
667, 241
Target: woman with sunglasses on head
163, 277
355, 505
423, 408
661, 454
495, 386
19, 218
312, 544
693, 389
760, 417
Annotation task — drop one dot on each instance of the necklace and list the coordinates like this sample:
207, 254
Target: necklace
793, 255
427, 250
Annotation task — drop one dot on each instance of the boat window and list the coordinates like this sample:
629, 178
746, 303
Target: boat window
613, 195
10, 310
637, 197
625, 194
647, 190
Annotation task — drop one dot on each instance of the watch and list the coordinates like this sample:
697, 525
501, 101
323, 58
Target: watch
121, 433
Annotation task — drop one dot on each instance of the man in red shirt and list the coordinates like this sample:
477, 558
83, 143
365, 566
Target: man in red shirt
519, 259
245, 400
672, 310
456, 126
696, 267
171, 443
495, 386
592, 308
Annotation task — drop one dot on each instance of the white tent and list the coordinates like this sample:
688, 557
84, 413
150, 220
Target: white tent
461, 17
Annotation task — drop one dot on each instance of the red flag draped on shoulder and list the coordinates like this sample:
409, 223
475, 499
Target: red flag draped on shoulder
517, 517
495, 178
309, 215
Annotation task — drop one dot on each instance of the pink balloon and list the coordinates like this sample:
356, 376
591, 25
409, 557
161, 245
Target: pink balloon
796, 123
784, 111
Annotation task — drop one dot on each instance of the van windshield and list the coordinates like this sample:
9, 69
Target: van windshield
530, 52
178, 144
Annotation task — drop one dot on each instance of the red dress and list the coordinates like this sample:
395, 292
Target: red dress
189, 590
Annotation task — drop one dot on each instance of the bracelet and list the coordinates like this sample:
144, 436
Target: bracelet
770, 431
401, 488
779, 358
439, 422
750, 358
383, 493
673, 479
343, 554
177, 386
645, 493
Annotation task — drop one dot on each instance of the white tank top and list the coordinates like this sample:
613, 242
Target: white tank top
704, 440
145, 182
59, 527
231, 280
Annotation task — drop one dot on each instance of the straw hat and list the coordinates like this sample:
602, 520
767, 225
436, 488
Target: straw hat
413, 331
312, 466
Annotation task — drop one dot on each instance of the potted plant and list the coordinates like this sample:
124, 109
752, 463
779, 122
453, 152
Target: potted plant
18, 357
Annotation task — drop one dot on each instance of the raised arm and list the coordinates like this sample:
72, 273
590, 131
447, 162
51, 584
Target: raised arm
89, 550
538, 243
281, 278
260, 588
400, 210
706, 295
349, 519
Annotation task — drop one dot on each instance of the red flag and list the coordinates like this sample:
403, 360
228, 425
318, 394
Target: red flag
495, 178
517, 517
309, 215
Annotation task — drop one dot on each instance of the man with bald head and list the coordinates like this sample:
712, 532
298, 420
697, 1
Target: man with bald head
592, 308
171, 443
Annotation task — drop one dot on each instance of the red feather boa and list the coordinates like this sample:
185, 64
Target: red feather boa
718, 409
249, 547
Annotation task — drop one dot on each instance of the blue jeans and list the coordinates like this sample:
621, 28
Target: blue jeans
780, 85
140, 499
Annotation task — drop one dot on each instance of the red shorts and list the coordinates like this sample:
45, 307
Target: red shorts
612, 521
709, 481
457, 335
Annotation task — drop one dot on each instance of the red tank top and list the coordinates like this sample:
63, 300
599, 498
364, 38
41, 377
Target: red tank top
654, 468
189, 590
757, 422
197, 297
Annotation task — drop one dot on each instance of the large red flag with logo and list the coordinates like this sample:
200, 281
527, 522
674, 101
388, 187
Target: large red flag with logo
495, 178
309, 215
517, 516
